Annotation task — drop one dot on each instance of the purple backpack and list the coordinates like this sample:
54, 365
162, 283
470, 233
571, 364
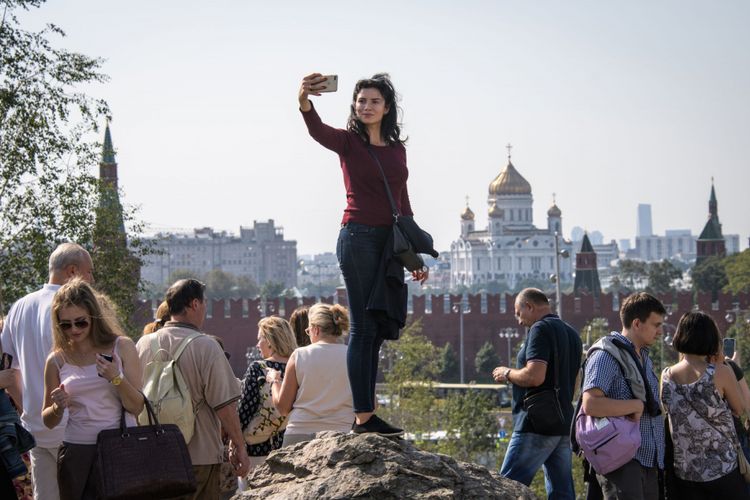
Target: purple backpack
608, 443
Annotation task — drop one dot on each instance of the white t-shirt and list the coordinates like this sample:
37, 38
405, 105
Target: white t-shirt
27, 336
324, 398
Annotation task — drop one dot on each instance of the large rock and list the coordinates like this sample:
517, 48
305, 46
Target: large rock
339, 466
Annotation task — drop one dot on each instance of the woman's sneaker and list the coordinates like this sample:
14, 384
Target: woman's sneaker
378, 426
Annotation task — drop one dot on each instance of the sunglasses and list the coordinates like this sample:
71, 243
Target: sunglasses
79, 323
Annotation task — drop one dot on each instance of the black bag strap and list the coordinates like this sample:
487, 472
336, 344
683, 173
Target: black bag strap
555, 358
152, 420
394, 210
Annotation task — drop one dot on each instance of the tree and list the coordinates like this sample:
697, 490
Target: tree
246, 287
661, 275
271, 289
485, 361
219, 284
470, 424
737, 268
710, 276
449, 366
632, 273
411, 366
46, 192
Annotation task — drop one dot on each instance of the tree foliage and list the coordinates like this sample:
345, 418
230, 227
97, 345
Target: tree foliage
737, 268
46, 192
471, 425
411, 366
485, 361
661, 276
449, 365
710, 275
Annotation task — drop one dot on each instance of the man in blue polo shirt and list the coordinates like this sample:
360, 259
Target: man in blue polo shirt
548, 339
606, 393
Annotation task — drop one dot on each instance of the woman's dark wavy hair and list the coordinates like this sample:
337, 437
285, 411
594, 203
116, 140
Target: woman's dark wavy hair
390, 127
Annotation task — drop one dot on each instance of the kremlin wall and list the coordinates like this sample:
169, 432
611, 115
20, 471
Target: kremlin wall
235, 320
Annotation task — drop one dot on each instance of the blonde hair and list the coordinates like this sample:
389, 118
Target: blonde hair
279, 335
104, 325
332, 320
162, 316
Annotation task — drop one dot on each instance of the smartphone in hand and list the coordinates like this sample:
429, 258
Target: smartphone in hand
331, 83
6, 362
108, 357
729, 346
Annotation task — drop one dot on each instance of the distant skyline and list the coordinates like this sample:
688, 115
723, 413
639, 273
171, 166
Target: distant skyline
608, 105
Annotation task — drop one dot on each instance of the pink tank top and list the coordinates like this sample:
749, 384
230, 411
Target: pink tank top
94, 402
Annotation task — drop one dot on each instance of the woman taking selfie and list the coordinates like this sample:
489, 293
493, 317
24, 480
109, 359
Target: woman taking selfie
92, 372
372, 130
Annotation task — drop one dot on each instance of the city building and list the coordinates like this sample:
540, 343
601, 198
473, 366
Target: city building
260, 253
318, 274
511, 249
711, 241
645, 226
675, 244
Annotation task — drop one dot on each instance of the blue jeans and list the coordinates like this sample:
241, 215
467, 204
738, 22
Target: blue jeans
359, 249
528, 451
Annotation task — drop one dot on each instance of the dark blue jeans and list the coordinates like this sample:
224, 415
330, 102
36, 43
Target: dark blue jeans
359, 249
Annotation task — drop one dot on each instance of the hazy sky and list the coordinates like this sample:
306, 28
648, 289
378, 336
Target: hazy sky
607, 104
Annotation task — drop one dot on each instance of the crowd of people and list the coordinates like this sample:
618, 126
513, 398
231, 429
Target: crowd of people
693, 434
71, 370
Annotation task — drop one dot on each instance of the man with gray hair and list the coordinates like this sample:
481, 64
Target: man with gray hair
27, 336
548, 364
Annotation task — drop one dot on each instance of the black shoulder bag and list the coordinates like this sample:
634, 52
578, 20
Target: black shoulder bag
408, 237
543, 407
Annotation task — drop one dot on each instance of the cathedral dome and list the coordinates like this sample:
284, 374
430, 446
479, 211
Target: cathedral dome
467, 214
496, 212
510, 182
554, 211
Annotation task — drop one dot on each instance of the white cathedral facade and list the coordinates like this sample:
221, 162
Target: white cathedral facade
510, 250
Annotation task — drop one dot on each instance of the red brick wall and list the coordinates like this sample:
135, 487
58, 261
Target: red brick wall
240, 331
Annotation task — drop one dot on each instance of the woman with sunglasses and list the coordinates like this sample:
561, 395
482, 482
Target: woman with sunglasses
92, 373
315, 391
372, 129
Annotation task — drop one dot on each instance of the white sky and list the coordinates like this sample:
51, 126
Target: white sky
607, 104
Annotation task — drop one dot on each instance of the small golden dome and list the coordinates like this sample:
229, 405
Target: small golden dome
467, 214
496, 212
554, 211
510, 182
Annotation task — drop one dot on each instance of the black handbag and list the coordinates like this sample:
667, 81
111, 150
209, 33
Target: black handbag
150, 461
543, 407
408, 238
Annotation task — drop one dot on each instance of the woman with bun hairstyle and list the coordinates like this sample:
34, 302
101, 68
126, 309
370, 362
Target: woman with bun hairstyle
92, 373
162, 316
315, 391
372, 129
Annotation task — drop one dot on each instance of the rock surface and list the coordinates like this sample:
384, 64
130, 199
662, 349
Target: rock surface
339, 466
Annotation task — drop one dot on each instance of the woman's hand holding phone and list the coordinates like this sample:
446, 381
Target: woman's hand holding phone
312, 84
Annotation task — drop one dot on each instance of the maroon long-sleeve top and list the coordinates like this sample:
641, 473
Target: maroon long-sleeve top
366, 198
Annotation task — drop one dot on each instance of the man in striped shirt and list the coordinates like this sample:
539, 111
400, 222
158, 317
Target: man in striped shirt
608, 394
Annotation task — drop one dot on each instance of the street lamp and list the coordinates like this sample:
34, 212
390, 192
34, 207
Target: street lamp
556, 277
461, 308
509, 333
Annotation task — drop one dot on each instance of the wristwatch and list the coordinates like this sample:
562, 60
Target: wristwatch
506, 374
117, 379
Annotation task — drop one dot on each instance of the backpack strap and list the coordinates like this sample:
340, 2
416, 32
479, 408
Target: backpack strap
184, 344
